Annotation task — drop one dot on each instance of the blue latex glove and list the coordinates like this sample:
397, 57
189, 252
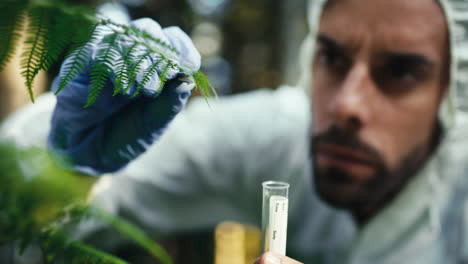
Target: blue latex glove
116, 129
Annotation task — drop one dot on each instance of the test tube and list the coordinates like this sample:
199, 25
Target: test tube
275, 216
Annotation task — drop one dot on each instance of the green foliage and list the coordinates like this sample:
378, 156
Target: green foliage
79, 59
10, 27
149, 72
41, 204
204, 85
134, 66
122, 78
106, 55
56, 28
133, 233
35, 44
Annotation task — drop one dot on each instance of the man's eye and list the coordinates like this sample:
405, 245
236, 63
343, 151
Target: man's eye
398, 77
402, 72
331, 59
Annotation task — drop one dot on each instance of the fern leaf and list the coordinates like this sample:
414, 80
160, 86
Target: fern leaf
59, 37
147, 76
203, 85
79, 56
145, 35
133, 32
101, 69
163, 76
77, 61
135, 68
85, 31
122, 78
33, 56
10, 27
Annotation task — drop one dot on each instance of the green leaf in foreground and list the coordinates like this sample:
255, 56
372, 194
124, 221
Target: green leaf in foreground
42, 204
134, 233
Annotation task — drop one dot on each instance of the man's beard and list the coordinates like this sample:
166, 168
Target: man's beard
340, 189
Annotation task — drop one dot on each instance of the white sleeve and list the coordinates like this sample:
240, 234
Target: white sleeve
30, 125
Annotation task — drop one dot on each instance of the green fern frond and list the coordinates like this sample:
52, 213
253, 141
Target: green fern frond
139, 34
10, 29
79, 57
147, 36
55, 26
77, 61
122, 78
203, 85
34, 52
163, 76
202, 82
147, 76
135, 67
102, 67
84, 32
59, 37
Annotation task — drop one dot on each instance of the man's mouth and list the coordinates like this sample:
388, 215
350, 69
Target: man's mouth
334, 155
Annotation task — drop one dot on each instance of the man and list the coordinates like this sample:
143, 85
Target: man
386, 139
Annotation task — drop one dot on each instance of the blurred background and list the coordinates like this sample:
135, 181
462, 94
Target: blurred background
245, 45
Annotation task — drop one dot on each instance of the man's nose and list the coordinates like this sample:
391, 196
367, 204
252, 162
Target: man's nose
350, 105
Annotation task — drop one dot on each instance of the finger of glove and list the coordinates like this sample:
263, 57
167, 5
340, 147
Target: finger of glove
189, 58
171, 101
154, 29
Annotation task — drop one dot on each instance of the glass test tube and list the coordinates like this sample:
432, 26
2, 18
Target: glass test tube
275, 216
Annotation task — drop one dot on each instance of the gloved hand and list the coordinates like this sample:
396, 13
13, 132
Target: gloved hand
116, 129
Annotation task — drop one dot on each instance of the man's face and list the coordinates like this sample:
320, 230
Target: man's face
379, 74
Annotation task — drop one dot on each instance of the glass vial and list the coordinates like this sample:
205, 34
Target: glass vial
275, 216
